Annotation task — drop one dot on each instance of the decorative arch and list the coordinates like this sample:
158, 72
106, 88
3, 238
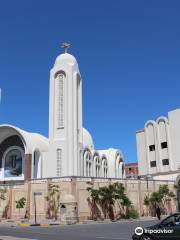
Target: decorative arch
104, 166
88, 163
13, 140
151, 131
162, 124
13, 162
97, 165
81, 165
163, 142
152, 151
37, 164
118, 166
58, 73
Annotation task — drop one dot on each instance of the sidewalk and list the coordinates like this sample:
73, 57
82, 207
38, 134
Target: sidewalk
48, 223
13, 238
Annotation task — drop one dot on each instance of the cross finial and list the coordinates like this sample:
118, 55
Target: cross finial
66, 45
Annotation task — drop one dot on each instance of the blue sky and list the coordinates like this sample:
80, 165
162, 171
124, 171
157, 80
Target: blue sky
128, 53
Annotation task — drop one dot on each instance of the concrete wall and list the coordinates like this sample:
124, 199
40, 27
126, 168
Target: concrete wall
73, 195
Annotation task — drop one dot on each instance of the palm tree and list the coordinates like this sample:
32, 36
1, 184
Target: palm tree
122, 199
53, 200
147, 203
3, 192
159, 198
94, 193
106, 197
107, 200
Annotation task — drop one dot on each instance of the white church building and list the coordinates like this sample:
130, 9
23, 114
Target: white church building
158, 148
69, 150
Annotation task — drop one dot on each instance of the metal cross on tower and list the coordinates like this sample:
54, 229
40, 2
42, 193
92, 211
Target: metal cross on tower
66, 46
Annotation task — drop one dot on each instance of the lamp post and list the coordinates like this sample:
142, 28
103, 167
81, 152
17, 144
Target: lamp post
35, 208
35, 218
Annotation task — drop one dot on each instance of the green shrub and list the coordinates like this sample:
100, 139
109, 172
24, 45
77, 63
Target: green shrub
132, 213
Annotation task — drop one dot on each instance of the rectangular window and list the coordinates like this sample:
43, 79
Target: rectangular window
151, 148
165, 162
153, 163
164, 145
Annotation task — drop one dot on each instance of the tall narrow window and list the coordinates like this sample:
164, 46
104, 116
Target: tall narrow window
77, 100
105, 168
59, 162
97, 166
88, 160
60, 100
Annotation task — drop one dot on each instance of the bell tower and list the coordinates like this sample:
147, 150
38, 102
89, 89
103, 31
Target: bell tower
65, 117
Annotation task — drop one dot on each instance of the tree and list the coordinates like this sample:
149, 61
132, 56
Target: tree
107, 200
147, 204
3, 192
20, 203
146, 201
122, 199
3, 197
94, 193
53, 200
159, 198
106, 197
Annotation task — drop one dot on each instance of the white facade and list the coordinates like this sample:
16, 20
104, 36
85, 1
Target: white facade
69, 151
158, 147
65, 117
71, 146
21, 153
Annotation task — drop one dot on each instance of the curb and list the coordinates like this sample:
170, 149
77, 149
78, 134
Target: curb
23, 225
35, 225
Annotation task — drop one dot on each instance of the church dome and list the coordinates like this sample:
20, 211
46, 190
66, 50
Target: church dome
87, 140
66, 58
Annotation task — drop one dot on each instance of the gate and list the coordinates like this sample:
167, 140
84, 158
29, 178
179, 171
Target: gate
63, 213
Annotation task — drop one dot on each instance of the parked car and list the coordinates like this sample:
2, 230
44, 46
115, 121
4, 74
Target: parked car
167, 229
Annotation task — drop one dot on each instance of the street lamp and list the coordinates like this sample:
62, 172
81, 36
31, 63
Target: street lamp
35, 208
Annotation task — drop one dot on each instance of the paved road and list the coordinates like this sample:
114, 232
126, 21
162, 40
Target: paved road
106, 231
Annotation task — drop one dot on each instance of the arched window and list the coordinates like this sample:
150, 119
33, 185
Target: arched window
97, 163
60, 78
37, 165
13, 162
119, 166
88, 163
105, 167
123, 170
